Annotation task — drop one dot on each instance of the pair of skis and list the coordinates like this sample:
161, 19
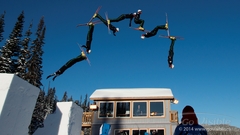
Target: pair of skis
168, 32
90, 21
98, 21
82, 50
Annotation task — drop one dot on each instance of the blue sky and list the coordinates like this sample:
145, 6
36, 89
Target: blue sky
206, 73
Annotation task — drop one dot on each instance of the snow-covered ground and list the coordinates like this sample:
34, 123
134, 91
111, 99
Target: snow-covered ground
17, 102
66, 120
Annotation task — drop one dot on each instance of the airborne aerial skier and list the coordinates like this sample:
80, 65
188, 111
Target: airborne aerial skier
79, 58
71, 62
111, 27
171, 52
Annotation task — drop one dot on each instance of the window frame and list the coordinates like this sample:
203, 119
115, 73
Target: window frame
99, 110
138, 129
149, 109
129, 131
130, 104
164, 130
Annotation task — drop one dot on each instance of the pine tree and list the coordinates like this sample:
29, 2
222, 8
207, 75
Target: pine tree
65, 97
2, 25
80, 101
38, 114
84, 105
50, 101
24, 55
77, 102
34, 74
70, 99
10, 51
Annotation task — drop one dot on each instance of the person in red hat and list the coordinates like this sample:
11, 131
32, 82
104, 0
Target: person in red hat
189, 123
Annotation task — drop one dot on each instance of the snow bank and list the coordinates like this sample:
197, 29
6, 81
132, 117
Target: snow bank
17, 102
66, 120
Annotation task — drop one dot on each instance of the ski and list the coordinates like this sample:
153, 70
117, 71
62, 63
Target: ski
106, 15
84, 54
96, 12
140, 30
85, 24
168, 32
177, 37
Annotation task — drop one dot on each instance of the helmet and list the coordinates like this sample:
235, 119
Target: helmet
143, 37
89, 51
139, 10
117, 29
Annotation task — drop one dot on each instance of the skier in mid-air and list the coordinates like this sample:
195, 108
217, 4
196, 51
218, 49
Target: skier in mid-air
137, 19
111, 27
71, 62
79, 58
122, 17
171, 53
130, 16
89, 38
154, 31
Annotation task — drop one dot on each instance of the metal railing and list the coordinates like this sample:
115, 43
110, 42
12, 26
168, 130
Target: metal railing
173, 116
87, 119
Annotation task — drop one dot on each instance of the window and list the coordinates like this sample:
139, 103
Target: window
139, 109
157, 132
138, 132
106, 109
121, 132
123, 109
156, 108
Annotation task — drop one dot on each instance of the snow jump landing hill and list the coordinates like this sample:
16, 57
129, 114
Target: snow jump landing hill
17, 102
66, 120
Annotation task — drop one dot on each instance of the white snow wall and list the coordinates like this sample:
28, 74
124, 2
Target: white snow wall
66, 120
17, 102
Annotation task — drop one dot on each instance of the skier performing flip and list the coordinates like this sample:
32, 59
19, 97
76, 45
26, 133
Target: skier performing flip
71, 62
111, 27
154, 31
130, 16
137, 19
89, 38
79, 58
171, 53
122, 17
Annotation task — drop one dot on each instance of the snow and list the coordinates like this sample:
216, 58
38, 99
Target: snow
17, 102
132, 93
66, 120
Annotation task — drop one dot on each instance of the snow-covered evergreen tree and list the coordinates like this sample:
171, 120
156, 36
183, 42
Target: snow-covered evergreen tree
34, 74
24, 55
10, 51
65, 97
2, 25
50, 101
38, 114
